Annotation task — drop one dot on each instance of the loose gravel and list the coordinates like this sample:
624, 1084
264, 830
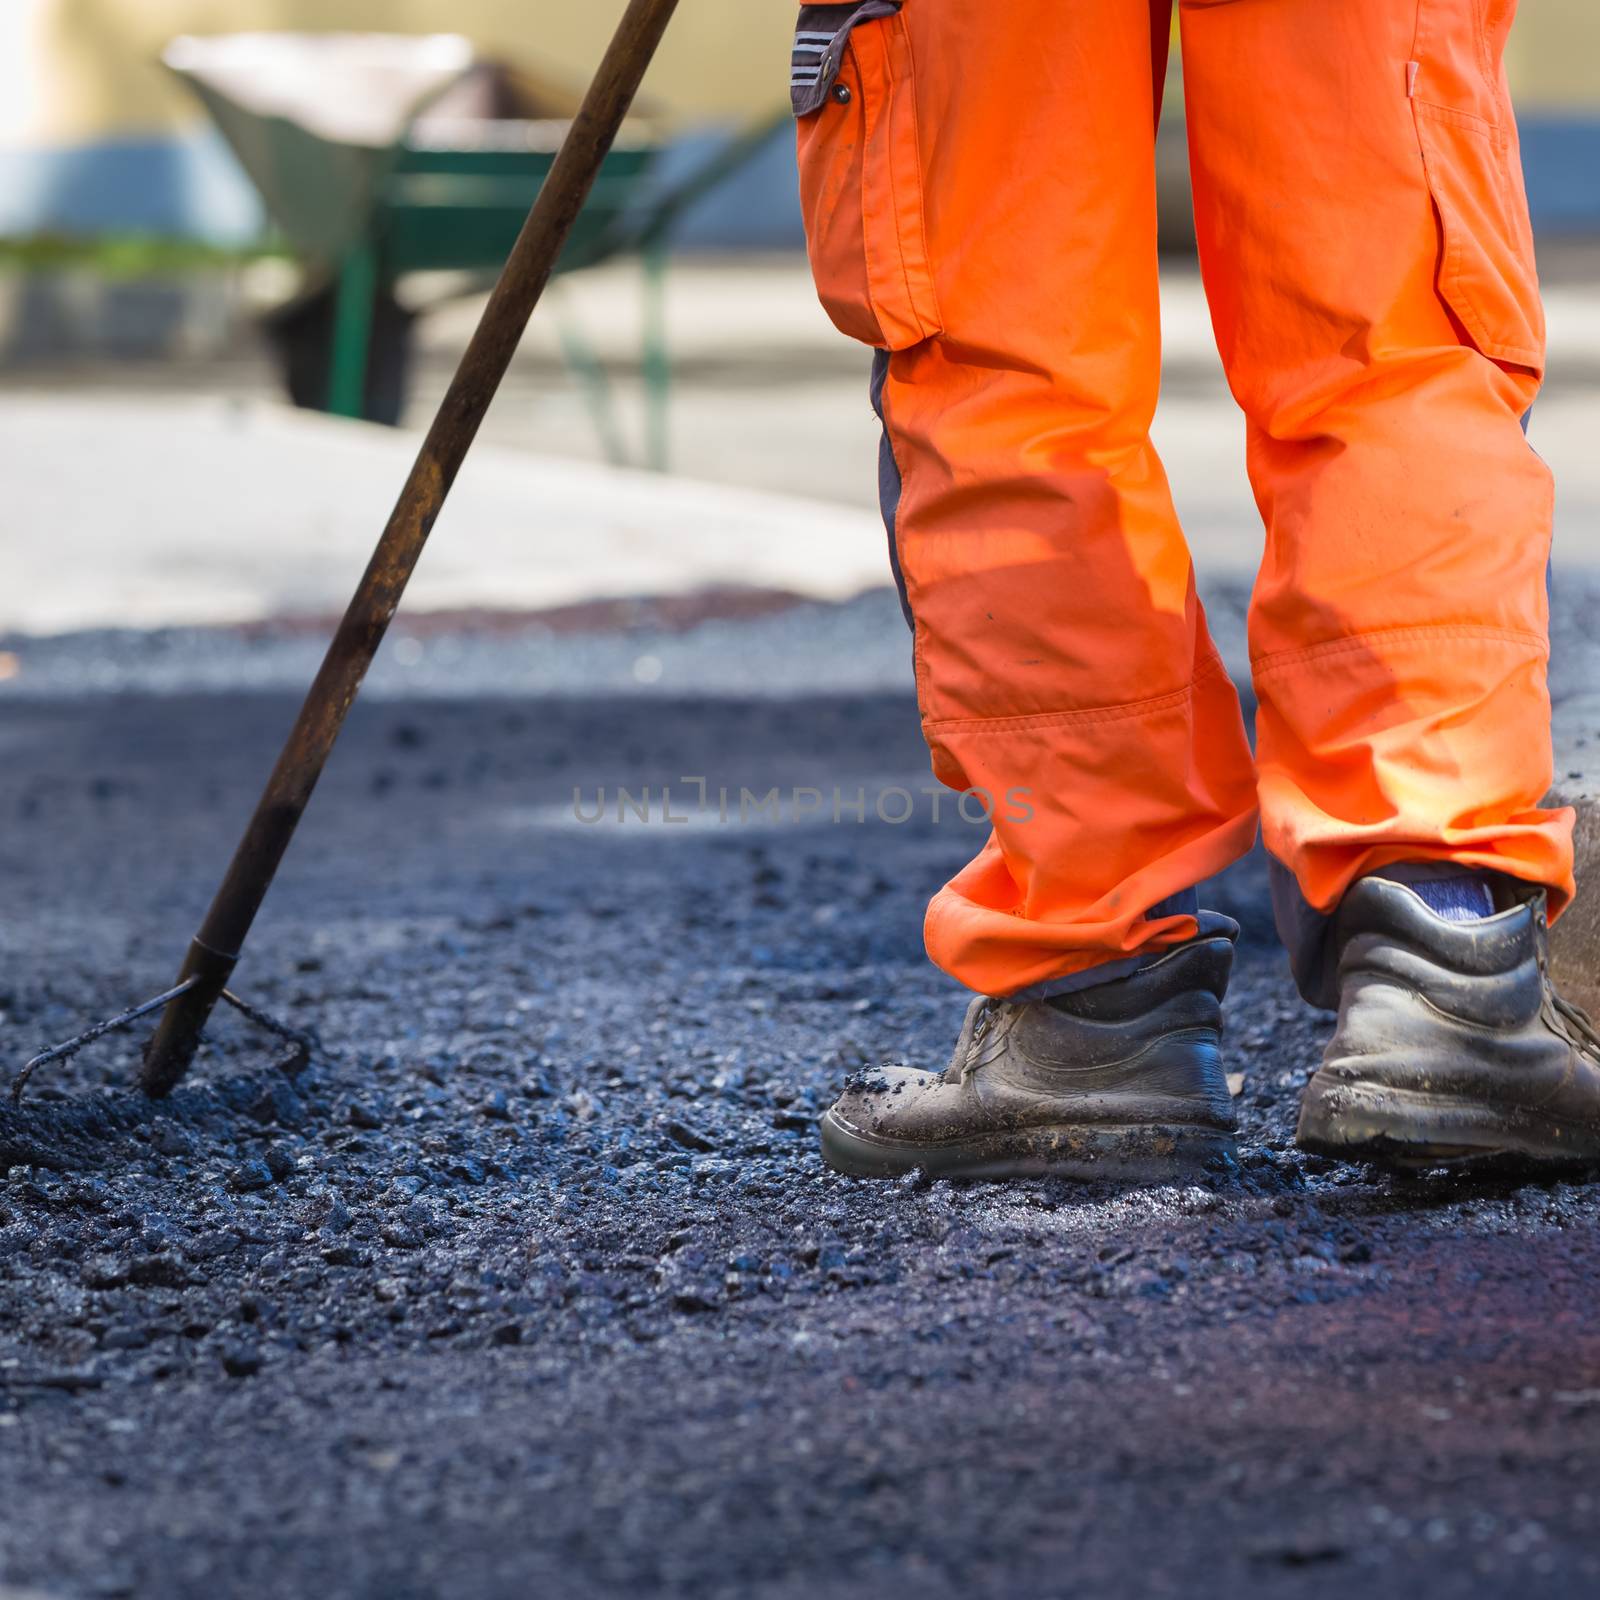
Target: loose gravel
533, 1281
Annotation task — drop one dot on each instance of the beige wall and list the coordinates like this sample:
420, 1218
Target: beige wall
1555, 54
73, 71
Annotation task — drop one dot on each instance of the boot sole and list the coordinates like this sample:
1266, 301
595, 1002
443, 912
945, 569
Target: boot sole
1354, 1119
1138, 1153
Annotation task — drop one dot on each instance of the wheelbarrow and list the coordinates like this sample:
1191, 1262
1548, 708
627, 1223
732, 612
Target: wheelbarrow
380, 155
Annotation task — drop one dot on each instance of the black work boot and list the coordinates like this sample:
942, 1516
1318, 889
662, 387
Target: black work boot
1122, 1080
1452, 1044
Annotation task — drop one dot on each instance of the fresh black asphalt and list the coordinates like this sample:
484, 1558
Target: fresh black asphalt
533, 1282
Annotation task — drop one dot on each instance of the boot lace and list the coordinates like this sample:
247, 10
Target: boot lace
1564, 1017
981, 1024
1575, 1024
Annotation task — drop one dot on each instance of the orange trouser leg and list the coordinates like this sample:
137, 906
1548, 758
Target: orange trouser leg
1367, 257
979, 191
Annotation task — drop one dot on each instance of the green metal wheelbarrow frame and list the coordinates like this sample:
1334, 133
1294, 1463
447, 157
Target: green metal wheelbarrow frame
459, 209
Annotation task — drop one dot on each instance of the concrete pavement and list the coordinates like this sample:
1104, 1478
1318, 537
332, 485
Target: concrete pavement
173, 510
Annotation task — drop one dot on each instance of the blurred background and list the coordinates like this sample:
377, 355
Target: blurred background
209, 208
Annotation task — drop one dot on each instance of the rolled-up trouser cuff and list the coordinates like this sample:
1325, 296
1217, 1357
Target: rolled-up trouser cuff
1209, 924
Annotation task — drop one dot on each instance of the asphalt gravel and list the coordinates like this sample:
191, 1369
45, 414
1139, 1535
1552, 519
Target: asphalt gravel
533, 1282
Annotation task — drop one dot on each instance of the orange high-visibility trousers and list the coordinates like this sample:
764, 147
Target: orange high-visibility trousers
978, 185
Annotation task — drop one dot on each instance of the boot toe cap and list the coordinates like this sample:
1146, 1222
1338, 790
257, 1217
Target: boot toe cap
875, 1101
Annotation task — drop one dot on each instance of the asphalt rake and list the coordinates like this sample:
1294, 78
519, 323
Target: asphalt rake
214, 952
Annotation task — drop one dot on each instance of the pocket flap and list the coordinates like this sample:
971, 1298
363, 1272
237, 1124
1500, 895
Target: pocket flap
1486, 270
819, 45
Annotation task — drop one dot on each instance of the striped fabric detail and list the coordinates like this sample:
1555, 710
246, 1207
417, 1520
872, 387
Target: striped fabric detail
821, 38
811, 51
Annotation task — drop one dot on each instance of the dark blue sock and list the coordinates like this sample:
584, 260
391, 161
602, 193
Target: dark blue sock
1457, 894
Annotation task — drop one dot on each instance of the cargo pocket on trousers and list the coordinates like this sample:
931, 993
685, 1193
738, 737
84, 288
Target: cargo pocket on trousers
1487, 275
854, 95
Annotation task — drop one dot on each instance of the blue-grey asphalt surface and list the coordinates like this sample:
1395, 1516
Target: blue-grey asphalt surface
533, 1281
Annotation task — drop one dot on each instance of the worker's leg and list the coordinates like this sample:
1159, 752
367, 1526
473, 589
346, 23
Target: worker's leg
979, 191
1368, 260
